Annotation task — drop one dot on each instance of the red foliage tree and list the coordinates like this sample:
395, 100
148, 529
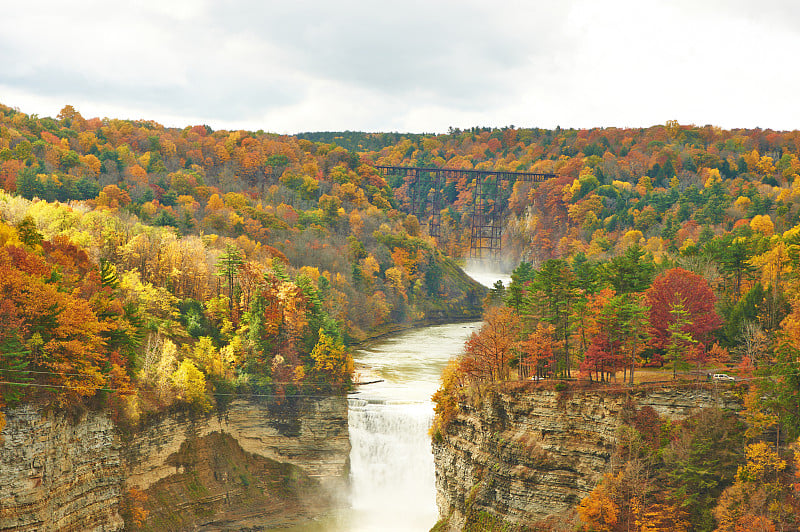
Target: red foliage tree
603, 357
678, 285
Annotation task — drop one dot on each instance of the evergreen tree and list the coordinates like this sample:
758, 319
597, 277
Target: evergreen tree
679, 339
228, 267
631, 272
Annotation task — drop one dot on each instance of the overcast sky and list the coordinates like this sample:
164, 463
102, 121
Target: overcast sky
410, 66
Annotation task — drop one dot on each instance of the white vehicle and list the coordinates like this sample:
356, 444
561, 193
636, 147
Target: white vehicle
722, 377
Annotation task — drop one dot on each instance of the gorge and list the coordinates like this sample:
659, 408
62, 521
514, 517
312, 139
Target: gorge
187, 470
521, 456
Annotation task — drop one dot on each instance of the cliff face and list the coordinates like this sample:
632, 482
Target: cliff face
59, 475
532, 456
254, 463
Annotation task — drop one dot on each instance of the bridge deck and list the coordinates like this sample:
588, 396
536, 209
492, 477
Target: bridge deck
457, 172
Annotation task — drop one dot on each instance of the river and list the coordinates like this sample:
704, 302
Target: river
392, 480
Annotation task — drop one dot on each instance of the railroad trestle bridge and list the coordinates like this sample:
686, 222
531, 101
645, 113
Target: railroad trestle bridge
426, 199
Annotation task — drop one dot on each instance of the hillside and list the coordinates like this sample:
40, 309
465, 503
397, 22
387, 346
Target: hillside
143, 266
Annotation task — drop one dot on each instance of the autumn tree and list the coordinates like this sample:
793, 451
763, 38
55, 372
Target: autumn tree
620, 334
112, 197
56, 329
487, 353
536, 352
601, 357
600, 510
759, 499
191, 385
333, 363
672, 289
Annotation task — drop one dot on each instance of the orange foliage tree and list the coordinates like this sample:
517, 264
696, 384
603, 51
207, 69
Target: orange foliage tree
488, 352
59, 329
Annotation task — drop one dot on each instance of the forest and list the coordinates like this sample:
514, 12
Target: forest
143, 267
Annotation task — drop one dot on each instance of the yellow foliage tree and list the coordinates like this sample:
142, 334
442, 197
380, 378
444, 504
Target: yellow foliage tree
766, 165
92, 164
712, 176
631, 237
394, 280
645, 185
599, 511
191, 385
9, 235
208, 356
356, 223
369, 268
756, 500
763, 224
332, 361
585, 212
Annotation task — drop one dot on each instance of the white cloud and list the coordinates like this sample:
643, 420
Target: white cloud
418, 66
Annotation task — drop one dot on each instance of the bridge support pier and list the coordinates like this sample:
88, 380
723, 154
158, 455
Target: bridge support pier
486, 227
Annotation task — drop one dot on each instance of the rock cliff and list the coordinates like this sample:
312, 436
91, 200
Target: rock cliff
56, 474
255, 463
528, 457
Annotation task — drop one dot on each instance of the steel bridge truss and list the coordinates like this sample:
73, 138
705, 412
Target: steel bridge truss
425, 193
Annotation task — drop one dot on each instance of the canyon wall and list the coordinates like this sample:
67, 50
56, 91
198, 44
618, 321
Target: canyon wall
530, 456
255, 463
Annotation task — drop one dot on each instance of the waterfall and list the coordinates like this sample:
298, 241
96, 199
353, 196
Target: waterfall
391, 465
392, 479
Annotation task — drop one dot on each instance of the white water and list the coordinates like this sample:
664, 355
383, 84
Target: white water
485, 274
392, 474
392, 480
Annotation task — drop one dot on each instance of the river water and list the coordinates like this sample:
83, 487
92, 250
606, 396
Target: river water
392, 480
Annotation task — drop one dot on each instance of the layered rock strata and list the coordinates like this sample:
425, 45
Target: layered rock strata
530, 456
252, 462
56, 474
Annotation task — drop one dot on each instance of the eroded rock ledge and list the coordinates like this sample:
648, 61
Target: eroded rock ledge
530, 456
256, 463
